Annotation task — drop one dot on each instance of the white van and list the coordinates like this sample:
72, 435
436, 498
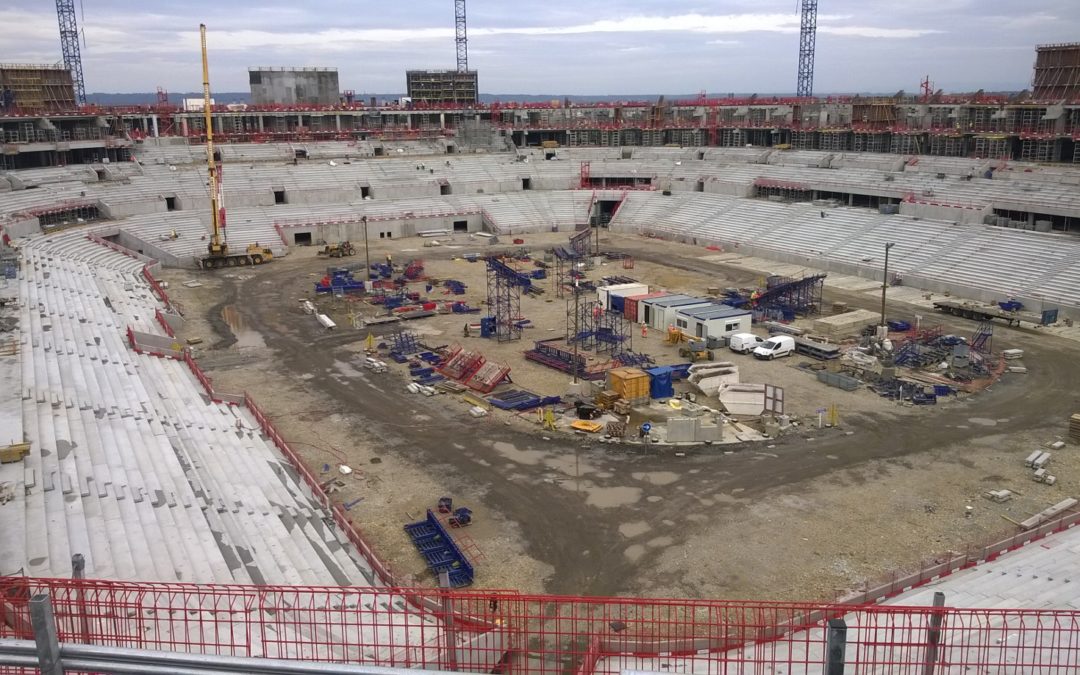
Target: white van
775, 347
743, 343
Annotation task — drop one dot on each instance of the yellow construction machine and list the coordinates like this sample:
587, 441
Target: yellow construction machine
218, 253
338, 250
696, 349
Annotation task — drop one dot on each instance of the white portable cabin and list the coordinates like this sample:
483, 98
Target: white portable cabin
608, 294
713, 321
660, 312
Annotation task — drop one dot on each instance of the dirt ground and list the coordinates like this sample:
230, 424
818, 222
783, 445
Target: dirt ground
805, 516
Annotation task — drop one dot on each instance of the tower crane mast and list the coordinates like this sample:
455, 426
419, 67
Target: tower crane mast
807, 43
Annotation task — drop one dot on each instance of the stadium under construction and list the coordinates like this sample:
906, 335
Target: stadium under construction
539, 388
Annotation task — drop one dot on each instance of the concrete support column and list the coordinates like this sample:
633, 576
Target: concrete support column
1031, 219
154, 123
299, 120
851, 200
835, 647
183, 126
45, 636
259, 122
337, 122
442, 120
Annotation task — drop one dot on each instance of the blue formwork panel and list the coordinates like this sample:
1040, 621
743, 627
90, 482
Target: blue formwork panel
439, 550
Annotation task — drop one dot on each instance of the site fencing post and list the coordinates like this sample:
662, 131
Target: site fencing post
44, 625
835, 647
933, 634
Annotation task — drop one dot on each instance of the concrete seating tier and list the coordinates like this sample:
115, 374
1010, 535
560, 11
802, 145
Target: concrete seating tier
998, 262
131, 464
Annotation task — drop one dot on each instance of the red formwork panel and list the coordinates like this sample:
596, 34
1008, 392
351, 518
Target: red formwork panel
487, 377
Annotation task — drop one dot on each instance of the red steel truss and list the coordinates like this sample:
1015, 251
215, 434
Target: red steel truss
557, 635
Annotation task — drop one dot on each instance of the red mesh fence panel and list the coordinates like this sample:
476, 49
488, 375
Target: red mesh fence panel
484, 631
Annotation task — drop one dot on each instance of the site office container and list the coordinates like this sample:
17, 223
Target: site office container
612, 297
630, 303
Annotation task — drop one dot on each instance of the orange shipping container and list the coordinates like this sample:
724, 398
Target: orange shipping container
630, 383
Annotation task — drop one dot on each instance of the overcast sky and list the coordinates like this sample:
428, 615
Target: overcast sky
555, 46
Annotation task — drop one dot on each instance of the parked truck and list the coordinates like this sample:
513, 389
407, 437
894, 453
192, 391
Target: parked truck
1010, 311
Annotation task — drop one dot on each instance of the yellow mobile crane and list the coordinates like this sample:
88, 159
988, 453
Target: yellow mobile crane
218, 254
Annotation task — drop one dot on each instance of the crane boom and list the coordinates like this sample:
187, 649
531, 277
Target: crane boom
218, 245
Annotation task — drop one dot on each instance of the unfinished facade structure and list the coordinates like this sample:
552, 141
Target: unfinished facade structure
442, 87
35, 88
294, 86
1057, 72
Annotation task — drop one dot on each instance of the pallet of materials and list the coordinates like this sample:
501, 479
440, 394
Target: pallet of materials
846, 324
1074, 428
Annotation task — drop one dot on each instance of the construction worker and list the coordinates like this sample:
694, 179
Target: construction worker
644, 329
7, 100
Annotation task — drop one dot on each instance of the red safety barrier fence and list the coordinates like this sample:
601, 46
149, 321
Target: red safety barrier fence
164, 323
158, 290
539, 634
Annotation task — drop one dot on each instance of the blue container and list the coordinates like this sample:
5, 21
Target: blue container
660, 385
618, 302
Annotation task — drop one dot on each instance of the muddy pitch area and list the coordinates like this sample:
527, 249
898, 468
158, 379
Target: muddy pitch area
806, 516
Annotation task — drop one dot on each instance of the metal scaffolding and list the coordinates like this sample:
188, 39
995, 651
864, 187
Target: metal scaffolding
785, 298
581, 319
504, 299
614, 334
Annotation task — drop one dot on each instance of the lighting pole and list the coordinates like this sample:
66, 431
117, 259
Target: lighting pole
367, 254
885, 280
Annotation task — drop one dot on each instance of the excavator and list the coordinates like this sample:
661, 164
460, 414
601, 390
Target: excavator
218, 253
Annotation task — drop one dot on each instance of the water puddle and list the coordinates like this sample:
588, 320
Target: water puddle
631, 530
656, 477
610, 497
511, 452
245, 337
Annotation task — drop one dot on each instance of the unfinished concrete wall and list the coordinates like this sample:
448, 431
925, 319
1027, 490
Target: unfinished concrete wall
967, 215
291, 86
396, 228
133, 207
148, 248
